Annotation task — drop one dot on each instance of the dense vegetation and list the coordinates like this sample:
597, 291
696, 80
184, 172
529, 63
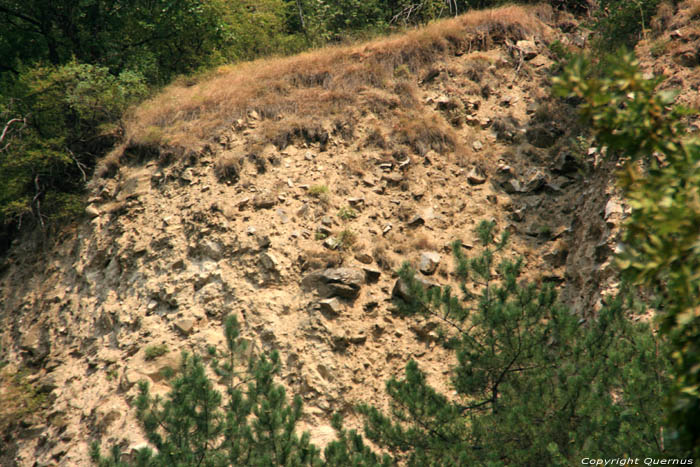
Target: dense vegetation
660, 178
70, 69
534, 384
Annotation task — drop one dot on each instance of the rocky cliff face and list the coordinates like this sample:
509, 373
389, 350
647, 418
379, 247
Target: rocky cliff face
300, 238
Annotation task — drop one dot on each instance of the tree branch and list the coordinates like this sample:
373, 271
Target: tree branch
7, 128
21, 16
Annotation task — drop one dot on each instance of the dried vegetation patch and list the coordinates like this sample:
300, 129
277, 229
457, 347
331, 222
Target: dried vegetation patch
291, 95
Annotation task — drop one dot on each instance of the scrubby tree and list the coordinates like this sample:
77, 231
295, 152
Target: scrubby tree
534, 384
661, 181
66, 116
251, 424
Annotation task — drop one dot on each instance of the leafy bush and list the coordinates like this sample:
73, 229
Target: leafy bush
58, 120
661, 179
622, 22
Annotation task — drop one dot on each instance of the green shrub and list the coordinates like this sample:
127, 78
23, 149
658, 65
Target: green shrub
660, 178
58, 122
154, 351
347, 213
318, 190
622, 22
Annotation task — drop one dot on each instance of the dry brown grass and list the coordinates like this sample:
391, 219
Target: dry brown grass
357, 165
691, 9
319, 258
423, 242
382, 255
228, 167
425, 132
376, 137
318, 85
282, 133
662, 18
475, 68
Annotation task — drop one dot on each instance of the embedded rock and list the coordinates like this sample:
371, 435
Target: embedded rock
476, 176
335, 282
402, 291
429, 261
527, 48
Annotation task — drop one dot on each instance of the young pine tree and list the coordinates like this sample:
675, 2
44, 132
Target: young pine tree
252, 425
535, 384
660, 178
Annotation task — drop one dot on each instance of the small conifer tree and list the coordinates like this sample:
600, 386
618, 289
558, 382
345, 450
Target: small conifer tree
534, 384
253, 424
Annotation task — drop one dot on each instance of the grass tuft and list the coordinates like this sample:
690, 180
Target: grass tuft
320, 85
155, 351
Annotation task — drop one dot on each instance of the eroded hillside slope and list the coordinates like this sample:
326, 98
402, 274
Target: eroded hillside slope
288, 192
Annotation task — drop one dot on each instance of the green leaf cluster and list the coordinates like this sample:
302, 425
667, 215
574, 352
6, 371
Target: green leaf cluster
622, 22
57, 120
661, 181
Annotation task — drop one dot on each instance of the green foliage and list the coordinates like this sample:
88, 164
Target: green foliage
252, 424
346, 213
535, 385
317, 190
661, 181
159, 39
21, 398
154, 351
321, 192
659, 47
254, 28
622, 22
58, 119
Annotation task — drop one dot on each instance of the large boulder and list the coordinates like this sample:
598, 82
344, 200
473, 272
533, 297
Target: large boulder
335, 282
402, 291
429, 261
